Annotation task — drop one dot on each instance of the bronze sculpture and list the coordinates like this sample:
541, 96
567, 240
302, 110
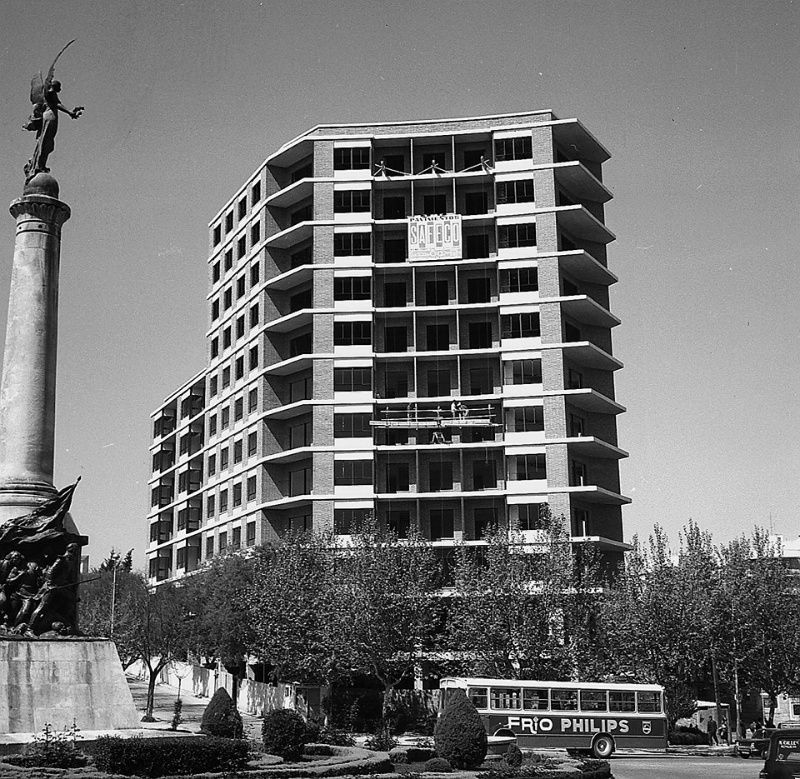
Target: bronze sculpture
44, 118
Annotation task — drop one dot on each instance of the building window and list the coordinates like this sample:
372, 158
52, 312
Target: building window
215, 272
481, 381
479, 290
352, 426
484, 475
394, 207
300, 482
476, 246
438, 383
228, 259
255, 193
299, 435
242, 208
301, 300
214, 348
440, 475
395, 339
526, 419
529, 516
300, 389
523, 372
212, 464
237, 495
237, 452
223, 503
240, 287
352, 333
227, 298
520, 326
394, 250
302, 257
442, 525
516, 236
483, 519
351, 201
397, 477
351, 244
434, 204
352, 288
253, 357
354, 158
352, 379
239, 364
212, 386
209, 546
252, 401
519, 148
225, 417
437, 293
241, 247
399, 522
520, 191
578, 474
255, 233
474, 157
214, 310
226, 338
438, 337
476, 203
210, 506
480, 335
396, 384
240, 327
251, 533
352, 472
394, 294
238, 409
254, 316
226, 377
223, 541
520, 280
224, 456
229, 221
252, 444
347, 520
251, 488
524, 467
212, 425
217, 235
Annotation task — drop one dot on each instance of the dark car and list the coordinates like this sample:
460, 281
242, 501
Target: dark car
756, 746
783, 755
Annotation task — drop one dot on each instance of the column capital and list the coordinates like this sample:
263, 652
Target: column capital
40, 208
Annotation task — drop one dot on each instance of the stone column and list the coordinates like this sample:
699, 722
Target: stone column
28, 388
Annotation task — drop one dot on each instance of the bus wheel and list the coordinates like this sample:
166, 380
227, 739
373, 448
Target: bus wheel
602, 747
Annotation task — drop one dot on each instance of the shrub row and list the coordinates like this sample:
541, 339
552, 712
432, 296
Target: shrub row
162, 757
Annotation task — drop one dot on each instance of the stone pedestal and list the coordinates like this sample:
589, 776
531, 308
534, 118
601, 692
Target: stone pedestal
28, 388
62, 681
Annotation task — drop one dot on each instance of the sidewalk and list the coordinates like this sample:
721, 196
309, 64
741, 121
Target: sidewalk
191, 712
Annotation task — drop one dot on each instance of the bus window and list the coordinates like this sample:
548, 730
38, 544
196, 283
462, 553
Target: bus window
622, 701
535, 700
506, 698
564, 700
593, 700
479, 697
649, 701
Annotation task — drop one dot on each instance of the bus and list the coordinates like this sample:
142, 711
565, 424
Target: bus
580, 716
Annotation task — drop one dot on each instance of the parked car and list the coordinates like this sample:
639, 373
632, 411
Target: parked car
756, 746
782, 760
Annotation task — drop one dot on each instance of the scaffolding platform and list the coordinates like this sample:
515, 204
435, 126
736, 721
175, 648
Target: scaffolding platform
470, 417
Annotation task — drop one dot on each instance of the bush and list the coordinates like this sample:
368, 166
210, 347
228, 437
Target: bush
161, 757
284, 734
220, 717
459, 735
687, 735
320, 750
382, 741
335, 737
437, 765
550, 768
51, 749
513, 756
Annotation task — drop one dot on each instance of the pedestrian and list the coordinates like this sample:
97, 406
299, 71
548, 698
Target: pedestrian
723, 730
454, 409
711, 729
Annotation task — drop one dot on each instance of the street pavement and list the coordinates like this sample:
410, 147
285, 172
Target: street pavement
675, 766
191, 712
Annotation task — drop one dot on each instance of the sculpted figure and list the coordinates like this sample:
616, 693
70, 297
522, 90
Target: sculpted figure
12, 562
25, 587
56, 597
44, 119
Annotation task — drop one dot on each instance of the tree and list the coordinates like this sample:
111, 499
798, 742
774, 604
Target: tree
290, 608
507, 616
384, 604
758, 617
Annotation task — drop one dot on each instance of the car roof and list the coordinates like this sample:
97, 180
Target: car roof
785, 733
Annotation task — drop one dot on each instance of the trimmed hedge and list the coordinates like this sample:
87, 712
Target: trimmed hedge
437, 765
161, 757
459, 735
284, 734
220, 717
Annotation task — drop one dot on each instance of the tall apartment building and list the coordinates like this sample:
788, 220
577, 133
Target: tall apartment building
410, 319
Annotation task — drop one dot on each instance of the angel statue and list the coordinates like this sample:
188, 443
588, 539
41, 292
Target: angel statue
44, 119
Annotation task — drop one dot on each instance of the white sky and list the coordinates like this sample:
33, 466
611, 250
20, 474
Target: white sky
697, 102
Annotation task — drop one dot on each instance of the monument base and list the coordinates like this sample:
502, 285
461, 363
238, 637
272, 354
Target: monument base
62, 681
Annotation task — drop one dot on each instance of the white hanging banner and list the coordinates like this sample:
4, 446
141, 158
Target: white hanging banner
434, 237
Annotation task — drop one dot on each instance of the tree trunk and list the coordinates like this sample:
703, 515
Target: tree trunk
151, 694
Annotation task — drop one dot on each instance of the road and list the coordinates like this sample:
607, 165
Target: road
683, 767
